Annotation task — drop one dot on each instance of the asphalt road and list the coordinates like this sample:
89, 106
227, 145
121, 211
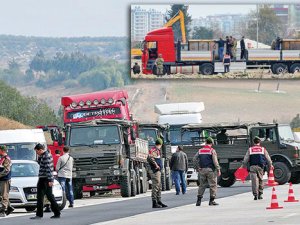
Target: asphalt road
121, 209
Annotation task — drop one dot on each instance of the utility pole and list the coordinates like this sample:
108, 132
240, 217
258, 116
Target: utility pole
256, 25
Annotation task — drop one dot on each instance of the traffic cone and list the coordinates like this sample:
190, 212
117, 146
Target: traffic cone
271, 180
274, 201
291, 196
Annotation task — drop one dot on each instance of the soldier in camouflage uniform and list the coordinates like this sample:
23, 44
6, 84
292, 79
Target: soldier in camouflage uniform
5, 177
159, 62
258, 157
206, 163
154, 160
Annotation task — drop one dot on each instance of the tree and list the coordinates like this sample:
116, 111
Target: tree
187, 20
202, 33
295, 123
269, 25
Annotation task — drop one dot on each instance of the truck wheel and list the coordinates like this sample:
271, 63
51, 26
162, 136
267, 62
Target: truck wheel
64, 201
125, 185
295, 178
169, 181
279, 68
133, 185
295, 68
138, 183
163, 180
282, 173
144, 182
77, 190
226, 180
207, 69
30, 208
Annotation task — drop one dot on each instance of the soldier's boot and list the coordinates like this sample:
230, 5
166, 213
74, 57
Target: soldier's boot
9, 210
161, 204
155, 204
212, 202
198, 203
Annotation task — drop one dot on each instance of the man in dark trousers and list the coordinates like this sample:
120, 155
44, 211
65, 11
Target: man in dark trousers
207, 165
154, 160
258, 157
179, 167
45, 183
243, 48
136, 68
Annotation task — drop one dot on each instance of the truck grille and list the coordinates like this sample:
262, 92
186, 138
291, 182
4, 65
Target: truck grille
103, 162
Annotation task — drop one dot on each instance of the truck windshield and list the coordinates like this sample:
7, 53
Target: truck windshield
286, 133
185, 139
149, 135
100, 135
21, 151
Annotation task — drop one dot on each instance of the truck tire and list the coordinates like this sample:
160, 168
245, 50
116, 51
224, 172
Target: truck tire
133, 184
295, 68
77, 190
138, 182
144, 182
168, 179
279, 68
295, 178
163, 180
207, 69
282, 173
125, 185
226, 180
64, 202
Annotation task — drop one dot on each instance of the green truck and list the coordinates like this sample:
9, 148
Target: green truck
278, 139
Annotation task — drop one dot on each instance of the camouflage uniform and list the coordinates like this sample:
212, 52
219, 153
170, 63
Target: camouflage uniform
155, 174
257, 168
207, 174
5, 167
159, 62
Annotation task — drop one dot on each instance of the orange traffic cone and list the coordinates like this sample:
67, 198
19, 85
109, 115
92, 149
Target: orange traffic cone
291, 196
274, 201
271, 180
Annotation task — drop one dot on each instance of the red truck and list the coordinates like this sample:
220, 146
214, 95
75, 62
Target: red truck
104, 143
202, 55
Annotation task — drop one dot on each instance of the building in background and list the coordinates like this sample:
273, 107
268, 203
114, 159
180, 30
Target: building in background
143, 21
294, 16
282, 12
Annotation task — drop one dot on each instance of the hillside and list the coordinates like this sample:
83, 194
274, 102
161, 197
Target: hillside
7, 124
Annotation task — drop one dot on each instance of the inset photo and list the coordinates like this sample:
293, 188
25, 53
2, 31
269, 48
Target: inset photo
178, 41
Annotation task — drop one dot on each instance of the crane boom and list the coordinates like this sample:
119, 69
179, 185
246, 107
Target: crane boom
178, 16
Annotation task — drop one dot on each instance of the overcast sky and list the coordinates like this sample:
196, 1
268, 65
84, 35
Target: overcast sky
73, 18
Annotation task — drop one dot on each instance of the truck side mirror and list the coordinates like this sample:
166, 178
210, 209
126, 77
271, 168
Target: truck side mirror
132, 134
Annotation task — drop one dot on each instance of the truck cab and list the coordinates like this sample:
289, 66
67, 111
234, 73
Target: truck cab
277, 139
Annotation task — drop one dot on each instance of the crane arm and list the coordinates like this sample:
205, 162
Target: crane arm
178, 16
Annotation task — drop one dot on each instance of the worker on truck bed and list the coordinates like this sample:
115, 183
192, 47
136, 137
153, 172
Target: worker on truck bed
154, 160
257, 156
159, 62
206, 163
221, 44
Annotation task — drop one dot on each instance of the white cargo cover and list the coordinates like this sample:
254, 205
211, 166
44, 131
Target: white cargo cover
179, 108
22, 136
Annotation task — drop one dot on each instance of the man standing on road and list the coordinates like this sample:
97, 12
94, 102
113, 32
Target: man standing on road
159, 62
257, 156
206, 163
64, 169
45, 183
179, 167
5, 177
154, 160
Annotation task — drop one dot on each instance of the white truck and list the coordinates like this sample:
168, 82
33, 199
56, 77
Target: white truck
20, 142
178, 115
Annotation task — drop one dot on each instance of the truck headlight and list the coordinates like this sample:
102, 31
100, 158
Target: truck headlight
116, 172
13, 189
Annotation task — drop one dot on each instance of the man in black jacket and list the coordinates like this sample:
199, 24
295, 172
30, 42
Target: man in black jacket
179, 167
243, 48
45, 183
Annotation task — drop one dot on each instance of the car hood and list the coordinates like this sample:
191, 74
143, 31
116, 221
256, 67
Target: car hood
24, 181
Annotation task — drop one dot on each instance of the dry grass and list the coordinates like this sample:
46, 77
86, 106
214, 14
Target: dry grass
7, 124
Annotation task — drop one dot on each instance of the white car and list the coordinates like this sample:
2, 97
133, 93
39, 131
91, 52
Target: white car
23, 190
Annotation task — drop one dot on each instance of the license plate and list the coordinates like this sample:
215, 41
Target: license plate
32, 197
96, 179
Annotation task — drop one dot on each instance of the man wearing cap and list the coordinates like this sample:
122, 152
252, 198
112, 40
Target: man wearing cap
5, 178
45, 183
154, 160
206, 163
179, 167
257, 156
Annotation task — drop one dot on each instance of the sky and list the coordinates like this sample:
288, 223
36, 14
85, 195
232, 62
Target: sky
76, 18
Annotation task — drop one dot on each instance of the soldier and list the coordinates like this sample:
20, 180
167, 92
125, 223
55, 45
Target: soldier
154, 160
206, 163
5, 177
159, 62
257, 157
